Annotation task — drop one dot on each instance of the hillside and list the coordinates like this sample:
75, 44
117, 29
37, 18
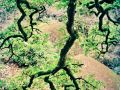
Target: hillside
40, 53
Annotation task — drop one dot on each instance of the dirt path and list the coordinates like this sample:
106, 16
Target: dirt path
9, 70
100, 71
91, 66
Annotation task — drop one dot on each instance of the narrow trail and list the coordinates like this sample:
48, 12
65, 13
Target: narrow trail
9, 70
91, 66
100, 71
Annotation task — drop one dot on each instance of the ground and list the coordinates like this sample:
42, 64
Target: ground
91, 66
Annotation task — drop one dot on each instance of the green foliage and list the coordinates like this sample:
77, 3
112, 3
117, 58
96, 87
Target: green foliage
39, 54
61, 40
41, 2
2, 85
116, 3
40, 51
18, 81
90, 83
9, 30
8, 5
84, 2
62, 4
92, 42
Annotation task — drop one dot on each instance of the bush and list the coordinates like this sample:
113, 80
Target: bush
8, 5
39, 54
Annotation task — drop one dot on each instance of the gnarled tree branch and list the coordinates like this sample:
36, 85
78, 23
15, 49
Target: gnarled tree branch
103, 12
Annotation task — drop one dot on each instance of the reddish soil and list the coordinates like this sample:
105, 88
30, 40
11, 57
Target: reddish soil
9, 70
91, 66
100, 71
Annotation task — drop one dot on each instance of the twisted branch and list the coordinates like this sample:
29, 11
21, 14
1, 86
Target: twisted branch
103, 12
62, 61
24, 35
52, 87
